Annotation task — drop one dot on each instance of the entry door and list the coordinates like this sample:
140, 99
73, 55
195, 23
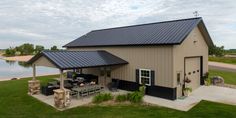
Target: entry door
192, 72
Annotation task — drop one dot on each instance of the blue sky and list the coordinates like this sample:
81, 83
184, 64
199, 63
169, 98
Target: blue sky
57, 22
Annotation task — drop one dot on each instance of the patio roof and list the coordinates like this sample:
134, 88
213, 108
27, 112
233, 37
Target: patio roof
79, 59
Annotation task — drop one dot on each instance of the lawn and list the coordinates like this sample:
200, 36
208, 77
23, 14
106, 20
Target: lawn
229, 77
14, 102
228, 60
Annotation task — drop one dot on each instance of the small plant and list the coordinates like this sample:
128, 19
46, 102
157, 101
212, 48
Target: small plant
102, 97
207, 80
187, 80
121, 98
142, 89
187, 91
135, 97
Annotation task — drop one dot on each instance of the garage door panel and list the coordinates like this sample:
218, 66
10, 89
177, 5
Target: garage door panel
192, 71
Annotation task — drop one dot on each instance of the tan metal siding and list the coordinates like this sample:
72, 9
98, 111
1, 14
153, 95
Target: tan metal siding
158, 58
187, 49
42, 61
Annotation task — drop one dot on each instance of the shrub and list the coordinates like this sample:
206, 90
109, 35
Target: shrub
102, 97
121, 98
142, 89
135, 97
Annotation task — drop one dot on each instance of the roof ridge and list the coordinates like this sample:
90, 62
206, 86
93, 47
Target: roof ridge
73, 51
147, 24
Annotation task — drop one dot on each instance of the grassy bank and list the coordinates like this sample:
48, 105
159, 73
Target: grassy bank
14, 102
228, 60
229, 77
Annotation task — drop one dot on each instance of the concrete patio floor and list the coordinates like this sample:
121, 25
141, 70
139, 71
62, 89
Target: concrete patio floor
74, 102
210, 93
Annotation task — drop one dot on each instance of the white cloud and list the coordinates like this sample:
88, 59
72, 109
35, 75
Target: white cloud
61, 21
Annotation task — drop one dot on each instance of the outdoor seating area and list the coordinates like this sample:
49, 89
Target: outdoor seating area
79, 85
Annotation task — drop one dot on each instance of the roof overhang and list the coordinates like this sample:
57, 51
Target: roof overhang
65, 60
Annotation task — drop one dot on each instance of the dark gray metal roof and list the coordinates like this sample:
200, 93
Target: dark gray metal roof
79, 59
160, 33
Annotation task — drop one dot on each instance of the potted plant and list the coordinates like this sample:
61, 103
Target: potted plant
187, 91
187, 80
206, 79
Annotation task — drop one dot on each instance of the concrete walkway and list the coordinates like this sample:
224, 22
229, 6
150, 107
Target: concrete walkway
210, 93
74, 102
222, 66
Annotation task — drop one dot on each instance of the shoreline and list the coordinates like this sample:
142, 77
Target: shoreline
18, 78
17, 58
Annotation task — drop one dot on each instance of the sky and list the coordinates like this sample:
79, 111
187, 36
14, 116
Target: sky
57, 22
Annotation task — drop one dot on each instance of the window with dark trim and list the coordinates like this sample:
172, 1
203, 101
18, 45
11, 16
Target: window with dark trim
178, 78
145, 76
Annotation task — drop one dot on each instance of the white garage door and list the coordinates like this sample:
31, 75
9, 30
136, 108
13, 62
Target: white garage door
192, 71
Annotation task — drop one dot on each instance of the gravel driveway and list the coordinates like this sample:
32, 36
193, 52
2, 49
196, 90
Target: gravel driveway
222, 66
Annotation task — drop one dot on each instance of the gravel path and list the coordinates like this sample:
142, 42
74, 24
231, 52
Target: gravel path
222, 66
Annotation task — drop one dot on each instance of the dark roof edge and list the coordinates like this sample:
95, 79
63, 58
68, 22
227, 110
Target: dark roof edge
148, 24
165, 44
95, 66
206, 35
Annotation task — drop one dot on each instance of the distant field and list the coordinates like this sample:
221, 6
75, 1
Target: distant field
229, 60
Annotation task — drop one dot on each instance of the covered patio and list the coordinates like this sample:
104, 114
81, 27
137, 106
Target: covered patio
79, 84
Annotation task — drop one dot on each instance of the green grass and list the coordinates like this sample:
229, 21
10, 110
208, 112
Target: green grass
229, 77
228, 60
14, 102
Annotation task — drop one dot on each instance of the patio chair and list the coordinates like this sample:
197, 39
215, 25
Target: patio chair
92, 90
74, 93
98, 89
84, 92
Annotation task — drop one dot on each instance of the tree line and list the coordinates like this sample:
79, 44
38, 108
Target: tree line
26, 49
219, 51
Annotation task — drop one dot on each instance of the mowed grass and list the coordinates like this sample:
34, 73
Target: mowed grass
15, 103
228, 60
229, 77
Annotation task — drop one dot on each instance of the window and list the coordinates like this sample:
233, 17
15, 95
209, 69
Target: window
178, 78
145, 76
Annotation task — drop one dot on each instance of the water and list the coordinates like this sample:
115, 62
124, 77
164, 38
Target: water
14, 69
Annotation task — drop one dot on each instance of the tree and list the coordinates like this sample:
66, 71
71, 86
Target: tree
38, 48
217, 51
54, 48
10, 52
26, 49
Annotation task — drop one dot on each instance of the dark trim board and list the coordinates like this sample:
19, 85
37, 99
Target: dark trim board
157, 91
162, 92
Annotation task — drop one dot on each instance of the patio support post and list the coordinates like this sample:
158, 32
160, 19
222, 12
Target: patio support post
34, 72
61, 80
33, 85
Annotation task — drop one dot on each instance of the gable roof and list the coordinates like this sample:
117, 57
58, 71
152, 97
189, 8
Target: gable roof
160, 33
79, 59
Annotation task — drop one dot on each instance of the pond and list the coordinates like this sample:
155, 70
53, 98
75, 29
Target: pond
15, 69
